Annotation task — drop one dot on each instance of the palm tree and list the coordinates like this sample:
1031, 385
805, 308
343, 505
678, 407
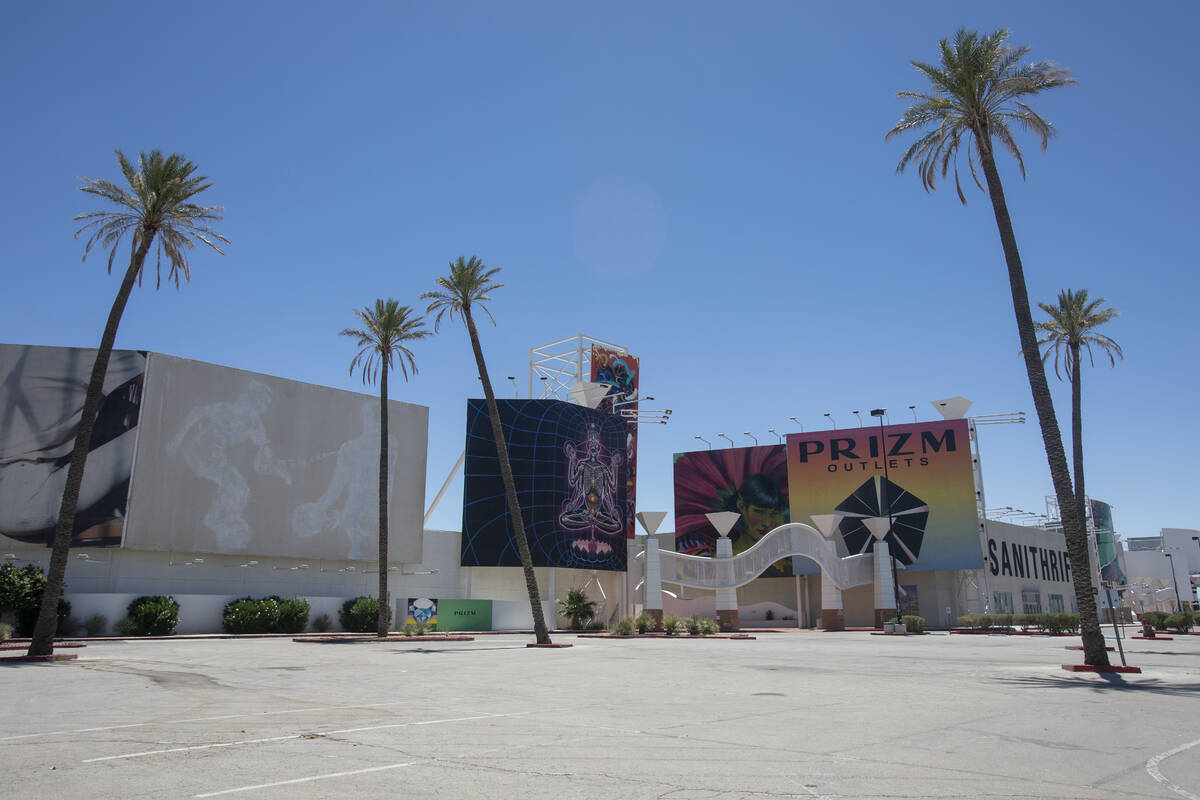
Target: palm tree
977, 95
577, 608
155, 209
381, 341
1071, 328
470, 284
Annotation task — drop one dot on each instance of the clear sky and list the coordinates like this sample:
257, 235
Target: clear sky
704, 183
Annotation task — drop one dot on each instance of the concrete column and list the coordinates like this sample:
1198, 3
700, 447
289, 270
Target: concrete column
653, 584
885, 592
832, 616
727, 607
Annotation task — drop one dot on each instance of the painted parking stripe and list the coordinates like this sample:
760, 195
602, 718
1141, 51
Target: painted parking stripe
216, 745
306, 780
1152, 768
197, 719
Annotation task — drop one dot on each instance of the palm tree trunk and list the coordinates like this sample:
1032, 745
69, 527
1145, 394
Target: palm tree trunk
382, 623
1094, 653
1077, 430
42, 643
510, 487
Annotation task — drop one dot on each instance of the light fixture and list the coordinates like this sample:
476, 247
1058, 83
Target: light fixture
726, 438
752, 436
914, 410
706, 441
887, 498
777, 435
832, 421
860, 422
798, 422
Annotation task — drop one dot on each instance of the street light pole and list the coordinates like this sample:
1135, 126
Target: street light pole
881, 412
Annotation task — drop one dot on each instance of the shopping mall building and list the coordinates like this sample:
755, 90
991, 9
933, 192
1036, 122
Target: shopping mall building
210, 483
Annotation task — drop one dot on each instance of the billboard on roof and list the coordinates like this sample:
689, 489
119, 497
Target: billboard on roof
568, 463
924, 507
621, 373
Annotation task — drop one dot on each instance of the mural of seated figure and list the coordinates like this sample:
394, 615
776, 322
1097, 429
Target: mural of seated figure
592, 480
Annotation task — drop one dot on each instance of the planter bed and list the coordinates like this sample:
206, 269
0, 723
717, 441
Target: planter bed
364, 638
661, 635
23, 644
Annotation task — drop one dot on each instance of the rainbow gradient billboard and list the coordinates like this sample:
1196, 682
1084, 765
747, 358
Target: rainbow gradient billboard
929, 490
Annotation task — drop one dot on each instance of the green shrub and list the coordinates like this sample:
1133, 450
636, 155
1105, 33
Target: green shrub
21, 591
577, 608
247, 615
155, 615
708, 626
644, 622
693, 624
96, 624
1023, 621
293, 615
986, 620
322, 623
1004, 620
673, 625
1180, 621
967, 621
361, 615
6, 631
125, 627
625, 627
913, 623
409, 629
1156, 618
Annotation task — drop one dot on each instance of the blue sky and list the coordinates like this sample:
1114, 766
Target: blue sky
704, 183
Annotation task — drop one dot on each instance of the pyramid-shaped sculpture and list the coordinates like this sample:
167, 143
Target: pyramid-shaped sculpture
867, 509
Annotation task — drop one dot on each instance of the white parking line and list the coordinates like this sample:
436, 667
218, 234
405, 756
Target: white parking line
319, 734
196, 719
306, 780
1152, 768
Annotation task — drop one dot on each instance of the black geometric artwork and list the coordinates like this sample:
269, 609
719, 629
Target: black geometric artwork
570, 473
909, 514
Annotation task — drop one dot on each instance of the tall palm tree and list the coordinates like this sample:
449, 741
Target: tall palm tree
470, 284
1070, 329
977, 96
381, 342
156, 209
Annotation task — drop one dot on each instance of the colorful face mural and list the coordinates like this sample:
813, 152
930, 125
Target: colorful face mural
620, 372
41, 399
568, 463
924, 508
751, 481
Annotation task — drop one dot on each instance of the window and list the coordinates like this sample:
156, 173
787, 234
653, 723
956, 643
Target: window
1056, 604
1002, 603
1031, 601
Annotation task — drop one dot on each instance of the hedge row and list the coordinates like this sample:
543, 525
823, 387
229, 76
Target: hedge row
271, 614
1182, 621
1050, 623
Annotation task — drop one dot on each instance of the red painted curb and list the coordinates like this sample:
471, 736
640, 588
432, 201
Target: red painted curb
1154, 638
535, 644
49, 658
1088, 668
1080, 647
367, 640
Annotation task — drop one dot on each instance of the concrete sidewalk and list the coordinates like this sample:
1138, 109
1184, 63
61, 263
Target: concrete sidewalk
784, 715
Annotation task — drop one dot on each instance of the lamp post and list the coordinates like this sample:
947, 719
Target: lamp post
706, 441
860, 422
1175, 583
798, 422
880, 413
752, 436
780, 437
914, 410
726, 438
832, 421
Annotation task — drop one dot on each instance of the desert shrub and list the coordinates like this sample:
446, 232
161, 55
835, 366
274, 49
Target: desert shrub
596, 625
21, 591
361, 615
913, 623
673, 625
293, 615
322, 623
1156, 618
409, 629
6, 631
153, 615
708, 626
577, 608
625, 627
644, 622
1181, 621
96, 624
693, 624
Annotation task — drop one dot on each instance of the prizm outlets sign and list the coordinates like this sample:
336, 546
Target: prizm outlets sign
867, 453
1027, 561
